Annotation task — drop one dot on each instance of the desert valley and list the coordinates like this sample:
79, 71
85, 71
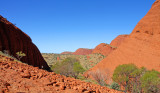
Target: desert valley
129, 64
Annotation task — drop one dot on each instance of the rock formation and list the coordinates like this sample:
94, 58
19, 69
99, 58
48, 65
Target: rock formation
16, 77
83, 51
118, 40
106, 49
66, 52
13, 40
141, 47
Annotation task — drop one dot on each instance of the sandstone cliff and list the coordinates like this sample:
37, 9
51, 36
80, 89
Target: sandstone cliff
14, 40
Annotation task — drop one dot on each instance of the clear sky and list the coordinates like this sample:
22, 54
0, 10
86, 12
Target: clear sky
66, 25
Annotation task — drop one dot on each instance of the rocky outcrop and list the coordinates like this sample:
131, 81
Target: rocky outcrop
83, 51
66, 52
118, 40
13, 40
16, 77
106, 49
141, 48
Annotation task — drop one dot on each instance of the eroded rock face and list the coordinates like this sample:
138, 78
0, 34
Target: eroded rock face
141, 47
106, 49
14, 40
16, 77
83, 51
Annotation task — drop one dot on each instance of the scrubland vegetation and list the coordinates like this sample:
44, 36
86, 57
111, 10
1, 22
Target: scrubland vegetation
137, 80
86, 61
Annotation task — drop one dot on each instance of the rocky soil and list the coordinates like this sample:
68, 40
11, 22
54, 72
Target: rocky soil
16, 77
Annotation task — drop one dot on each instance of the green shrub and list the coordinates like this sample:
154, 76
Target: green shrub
151, 82
122, 74
137, 80
20, 55
69, 67
77, 68
115, 86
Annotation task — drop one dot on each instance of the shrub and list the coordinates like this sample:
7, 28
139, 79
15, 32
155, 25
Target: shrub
151, 82
68, 67
100, 76
77, 68
20, 55
122, 73
115, 86
136, 80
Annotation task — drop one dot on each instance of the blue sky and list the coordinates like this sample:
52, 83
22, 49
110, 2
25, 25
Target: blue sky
66, 25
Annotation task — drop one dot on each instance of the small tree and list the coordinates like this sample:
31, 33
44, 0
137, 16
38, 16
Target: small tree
122, 75
20, 55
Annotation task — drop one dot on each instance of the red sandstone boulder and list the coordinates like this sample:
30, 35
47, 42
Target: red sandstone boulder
14, 40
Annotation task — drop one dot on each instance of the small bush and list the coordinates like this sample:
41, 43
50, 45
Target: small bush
151, 82
100, 76
20, 55
68, 67
115, 86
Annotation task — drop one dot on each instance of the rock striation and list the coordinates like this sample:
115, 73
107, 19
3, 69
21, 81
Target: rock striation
13, 40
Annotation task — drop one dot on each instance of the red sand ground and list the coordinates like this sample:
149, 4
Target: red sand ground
141, 47
16, 77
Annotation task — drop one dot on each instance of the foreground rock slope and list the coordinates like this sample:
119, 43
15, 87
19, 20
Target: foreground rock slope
141, 47
16, 77
13, 40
